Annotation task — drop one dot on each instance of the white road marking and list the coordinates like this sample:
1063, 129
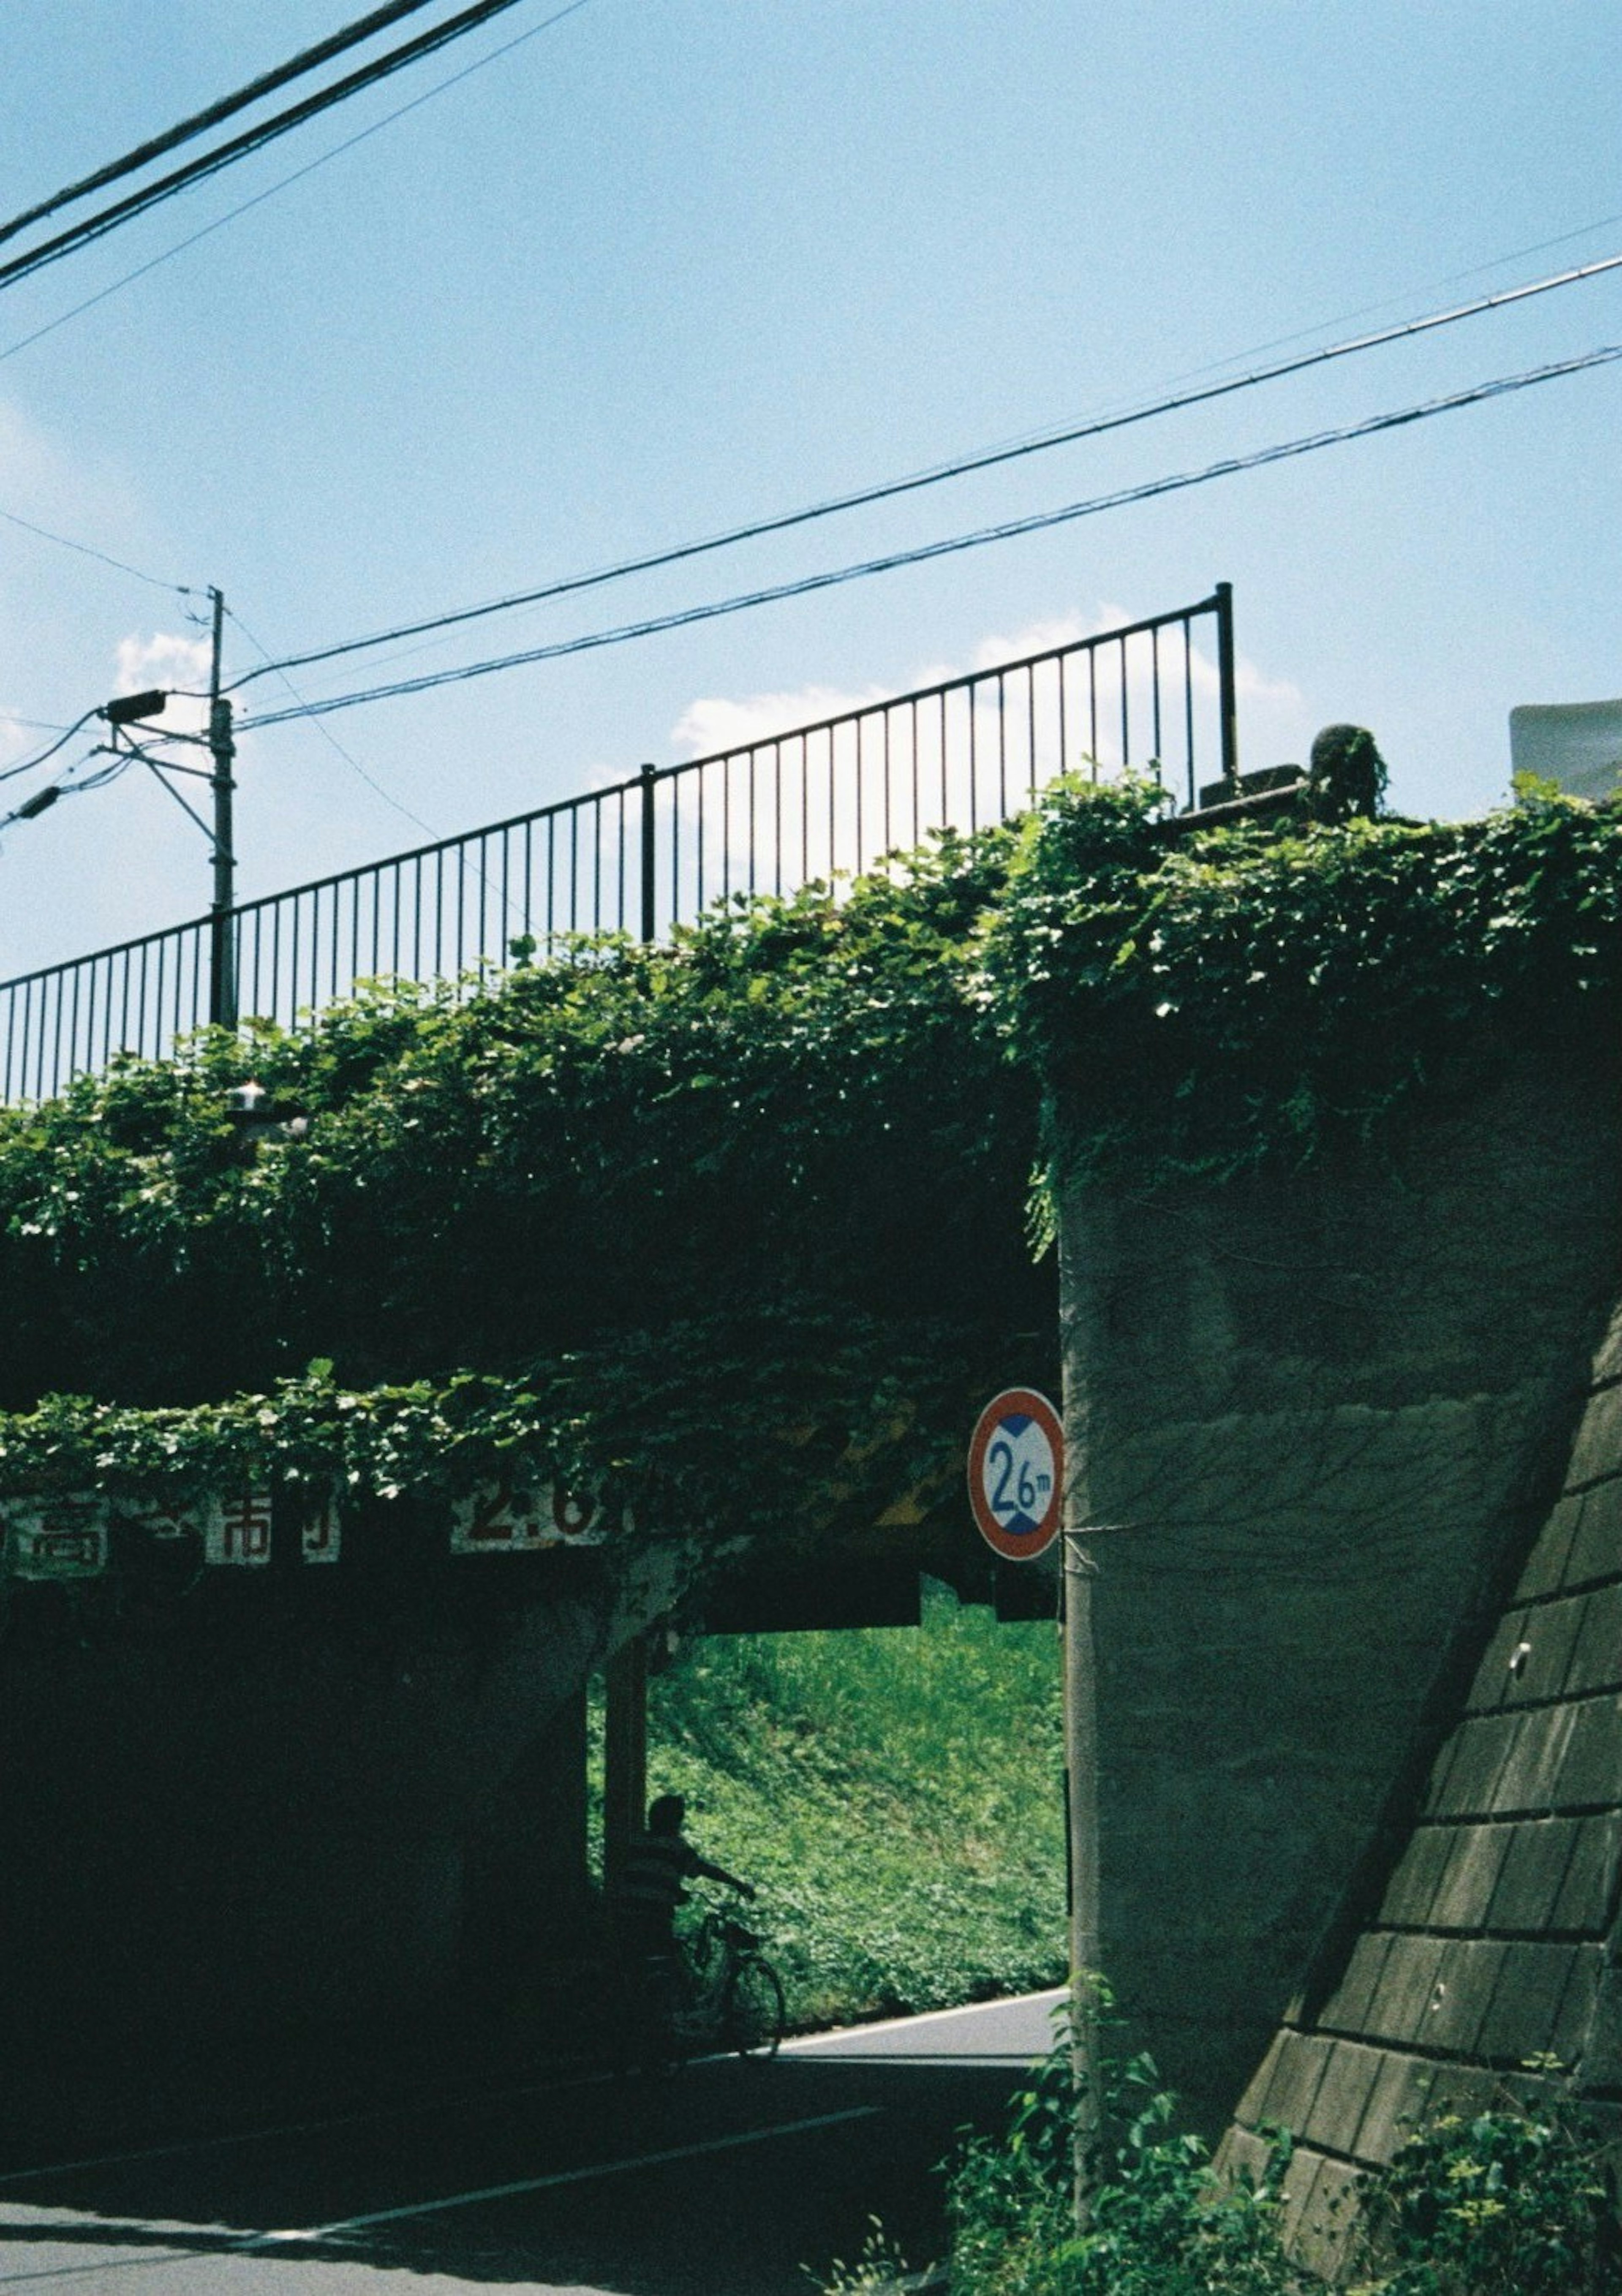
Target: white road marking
248, 2244
575, 2175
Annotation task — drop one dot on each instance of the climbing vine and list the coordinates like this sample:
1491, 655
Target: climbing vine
1207, 1001
630, 1214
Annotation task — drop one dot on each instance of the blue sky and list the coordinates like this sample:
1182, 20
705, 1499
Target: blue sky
666, 266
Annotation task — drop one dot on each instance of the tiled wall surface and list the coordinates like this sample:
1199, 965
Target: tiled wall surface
1493, 1941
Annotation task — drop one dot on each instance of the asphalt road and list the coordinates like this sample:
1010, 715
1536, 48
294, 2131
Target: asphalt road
726, 2179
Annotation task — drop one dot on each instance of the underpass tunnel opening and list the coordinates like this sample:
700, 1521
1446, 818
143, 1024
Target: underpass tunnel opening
879, 1753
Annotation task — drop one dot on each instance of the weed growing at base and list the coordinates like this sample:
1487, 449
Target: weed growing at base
1517, 2201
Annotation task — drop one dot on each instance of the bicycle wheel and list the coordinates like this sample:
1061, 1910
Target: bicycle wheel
753, 2015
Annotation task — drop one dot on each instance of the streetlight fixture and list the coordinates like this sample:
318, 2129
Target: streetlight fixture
134, 709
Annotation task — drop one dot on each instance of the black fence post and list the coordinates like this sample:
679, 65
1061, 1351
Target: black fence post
650, 917
1228, 699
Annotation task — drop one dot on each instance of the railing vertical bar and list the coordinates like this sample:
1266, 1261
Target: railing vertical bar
1188, 706
863, 857
805, 809
1126, 733
833, 804
1154, 671
889, 840
971, 695
754, 784
1002, 745
676, 855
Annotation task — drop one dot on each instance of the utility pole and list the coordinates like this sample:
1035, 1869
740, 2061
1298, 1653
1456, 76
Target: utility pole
222, 969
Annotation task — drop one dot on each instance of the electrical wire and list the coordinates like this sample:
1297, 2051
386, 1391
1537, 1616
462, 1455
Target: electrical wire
989, 458
307, 60
44, 798
297, 175
40, 757
180, 589
1037, 523
329, 737
251, 139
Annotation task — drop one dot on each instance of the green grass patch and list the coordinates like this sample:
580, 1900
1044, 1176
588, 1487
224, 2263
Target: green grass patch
895, 1794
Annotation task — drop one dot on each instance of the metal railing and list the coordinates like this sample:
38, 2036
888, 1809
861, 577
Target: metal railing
767, 817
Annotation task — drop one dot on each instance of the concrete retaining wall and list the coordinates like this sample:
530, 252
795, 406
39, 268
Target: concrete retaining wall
1494, 1935
1325, 1412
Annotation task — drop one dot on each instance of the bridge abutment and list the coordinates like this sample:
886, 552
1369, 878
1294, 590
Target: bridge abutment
1317, 1418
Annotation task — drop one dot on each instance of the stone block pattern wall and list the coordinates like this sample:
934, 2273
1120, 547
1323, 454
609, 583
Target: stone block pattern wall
1494, 1939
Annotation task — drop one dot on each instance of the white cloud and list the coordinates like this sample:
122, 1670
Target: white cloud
168, 660
824, 804
715, 725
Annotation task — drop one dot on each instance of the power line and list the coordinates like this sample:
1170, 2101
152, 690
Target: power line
238, 147
329, 737
986, 459
84, 551
1388, 302
297, 175
40, 757
1501, 386
307, 60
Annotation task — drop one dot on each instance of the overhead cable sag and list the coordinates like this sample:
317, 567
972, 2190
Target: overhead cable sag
989, 458
1500, 387
296, 175
307, 60
251, 139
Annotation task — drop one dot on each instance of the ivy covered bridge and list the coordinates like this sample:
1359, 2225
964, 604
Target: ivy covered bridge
661, 1282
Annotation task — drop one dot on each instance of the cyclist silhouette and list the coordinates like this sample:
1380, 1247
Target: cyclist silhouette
656, 1864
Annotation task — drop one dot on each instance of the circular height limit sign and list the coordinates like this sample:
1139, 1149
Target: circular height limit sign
1016, 1474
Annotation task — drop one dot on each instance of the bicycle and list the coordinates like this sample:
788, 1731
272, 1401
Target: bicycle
735, 1996
717, 1992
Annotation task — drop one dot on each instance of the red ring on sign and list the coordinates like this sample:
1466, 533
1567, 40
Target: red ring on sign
1014, 1545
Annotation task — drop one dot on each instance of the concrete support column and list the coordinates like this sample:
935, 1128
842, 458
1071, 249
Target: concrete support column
625, 1752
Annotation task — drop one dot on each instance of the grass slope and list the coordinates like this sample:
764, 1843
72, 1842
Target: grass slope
895, 1795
